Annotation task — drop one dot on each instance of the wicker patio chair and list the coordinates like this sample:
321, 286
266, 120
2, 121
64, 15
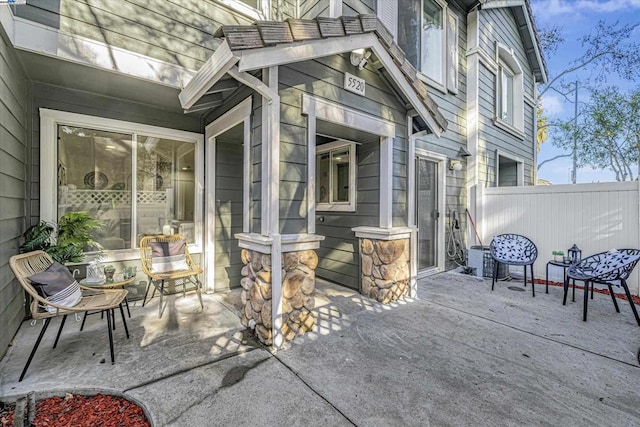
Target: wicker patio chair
28, 264
183, 272
513, 249
607, 268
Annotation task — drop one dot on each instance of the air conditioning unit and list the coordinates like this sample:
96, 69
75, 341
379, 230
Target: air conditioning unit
479, 258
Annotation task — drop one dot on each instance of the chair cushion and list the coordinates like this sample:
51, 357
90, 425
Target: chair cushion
57, 285
168, 256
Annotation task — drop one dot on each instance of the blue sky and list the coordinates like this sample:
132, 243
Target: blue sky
576, 19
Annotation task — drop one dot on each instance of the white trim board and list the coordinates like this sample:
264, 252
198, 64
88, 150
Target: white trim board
337, 113
316, 108
44, 40
240, 113
441, 160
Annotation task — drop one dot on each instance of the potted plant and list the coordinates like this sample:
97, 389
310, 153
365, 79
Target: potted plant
109, 271
558, 255
66, 241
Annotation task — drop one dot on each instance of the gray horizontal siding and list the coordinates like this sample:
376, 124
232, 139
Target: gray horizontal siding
498, 25
493, 138
179, 32
358, 7
13, 185
229, 211
324, 78
310, 9
287, 9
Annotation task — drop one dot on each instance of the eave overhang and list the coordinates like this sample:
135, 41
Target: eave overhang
528, 33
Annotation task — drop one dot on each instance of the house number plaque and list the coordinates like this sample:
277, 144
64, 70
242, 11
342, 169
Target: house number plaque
354, 84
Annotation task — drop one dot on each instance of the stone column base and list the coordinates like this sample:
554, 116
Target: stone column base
256, 294
294, 285
385, 261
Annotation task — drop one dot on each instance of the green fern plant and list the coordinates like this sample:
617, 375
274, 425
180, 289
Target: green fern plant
67, 241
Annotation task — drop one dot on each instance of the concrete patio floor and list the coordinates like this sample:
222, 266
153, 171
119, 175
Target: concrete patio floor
458, 355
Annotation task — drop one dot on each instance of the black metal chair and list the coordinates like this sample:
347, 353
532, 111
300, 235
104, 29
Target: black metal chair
607, 268
513, 249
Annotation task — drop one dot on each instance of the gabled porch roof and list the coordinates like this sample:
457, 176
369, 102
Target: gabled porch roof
266, 44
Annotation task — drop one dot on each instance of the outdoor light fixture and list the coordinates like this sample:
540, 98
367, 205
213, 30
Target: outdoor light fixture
455, 165
575, 254
463, 152
360, 57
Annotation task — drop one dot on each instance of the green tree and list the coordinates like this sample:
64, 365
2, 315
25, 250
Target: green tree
609, 131
608, 50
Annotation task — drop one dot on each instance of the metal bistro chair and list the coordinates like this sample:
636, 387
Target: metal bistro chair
513, 249
105, 300
184, 270
608, 268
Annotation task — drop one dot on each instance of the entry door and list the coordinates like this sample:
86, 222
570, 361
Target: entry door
427, 212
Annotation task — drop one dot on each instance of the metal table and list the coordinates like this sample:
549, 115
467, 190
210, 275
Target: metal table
564, 267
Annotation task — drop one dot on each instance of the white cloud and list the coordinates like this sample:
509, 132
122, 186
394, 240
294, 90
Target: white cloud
552, 104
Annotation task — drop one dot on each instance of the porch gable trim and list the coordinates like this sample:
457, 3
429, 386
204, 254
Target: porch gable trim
248, 47
212, 71
338, 113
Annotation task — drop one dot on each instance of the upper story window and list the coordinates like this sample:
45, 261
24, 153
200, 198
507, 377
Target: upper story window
505, 95
422, 34
335, 180
256, 9
509, 92
134, 178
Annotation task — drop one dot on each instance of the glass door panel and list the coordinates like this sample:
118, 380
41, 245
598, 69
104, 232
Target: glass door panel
427, 212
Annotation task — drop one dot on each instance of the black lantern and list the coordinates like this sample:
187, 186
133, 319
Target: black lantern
575, 254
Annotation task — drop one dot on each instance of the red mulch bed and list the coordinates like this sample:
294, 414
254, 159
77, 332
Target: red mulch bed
635, 298
6, 415
82, 411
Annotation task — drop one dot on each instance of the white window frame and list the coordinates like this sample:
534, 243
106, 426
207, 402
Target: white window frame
263, 12
442, 86
49, 122
349, 206
506, 60
520, 167
452, 52
387, 12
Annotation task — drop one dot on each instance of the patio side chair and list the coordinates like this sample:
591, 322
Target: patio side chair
92, 300
513, 249
167, 258
608, 268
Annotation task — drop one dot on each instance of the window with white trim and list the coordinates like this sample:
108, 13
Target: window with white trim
509, 171
509, 91
335, 176
256, 9
136, 179
421, 34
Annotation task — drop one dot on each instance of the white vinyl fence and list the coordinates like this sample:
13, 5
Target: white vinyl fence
596, 217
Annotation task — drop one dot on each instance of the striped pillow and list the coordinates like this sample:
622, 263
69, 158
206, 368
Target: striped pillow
168, 256
58, 286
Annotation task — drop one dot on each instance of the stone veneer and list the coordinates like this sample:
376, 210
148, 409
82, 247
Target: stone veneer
385, 269
298, 286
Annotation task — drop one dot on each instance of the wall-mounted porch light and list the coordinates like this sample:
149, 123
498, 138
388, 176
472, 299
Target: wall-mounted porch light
455, 165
